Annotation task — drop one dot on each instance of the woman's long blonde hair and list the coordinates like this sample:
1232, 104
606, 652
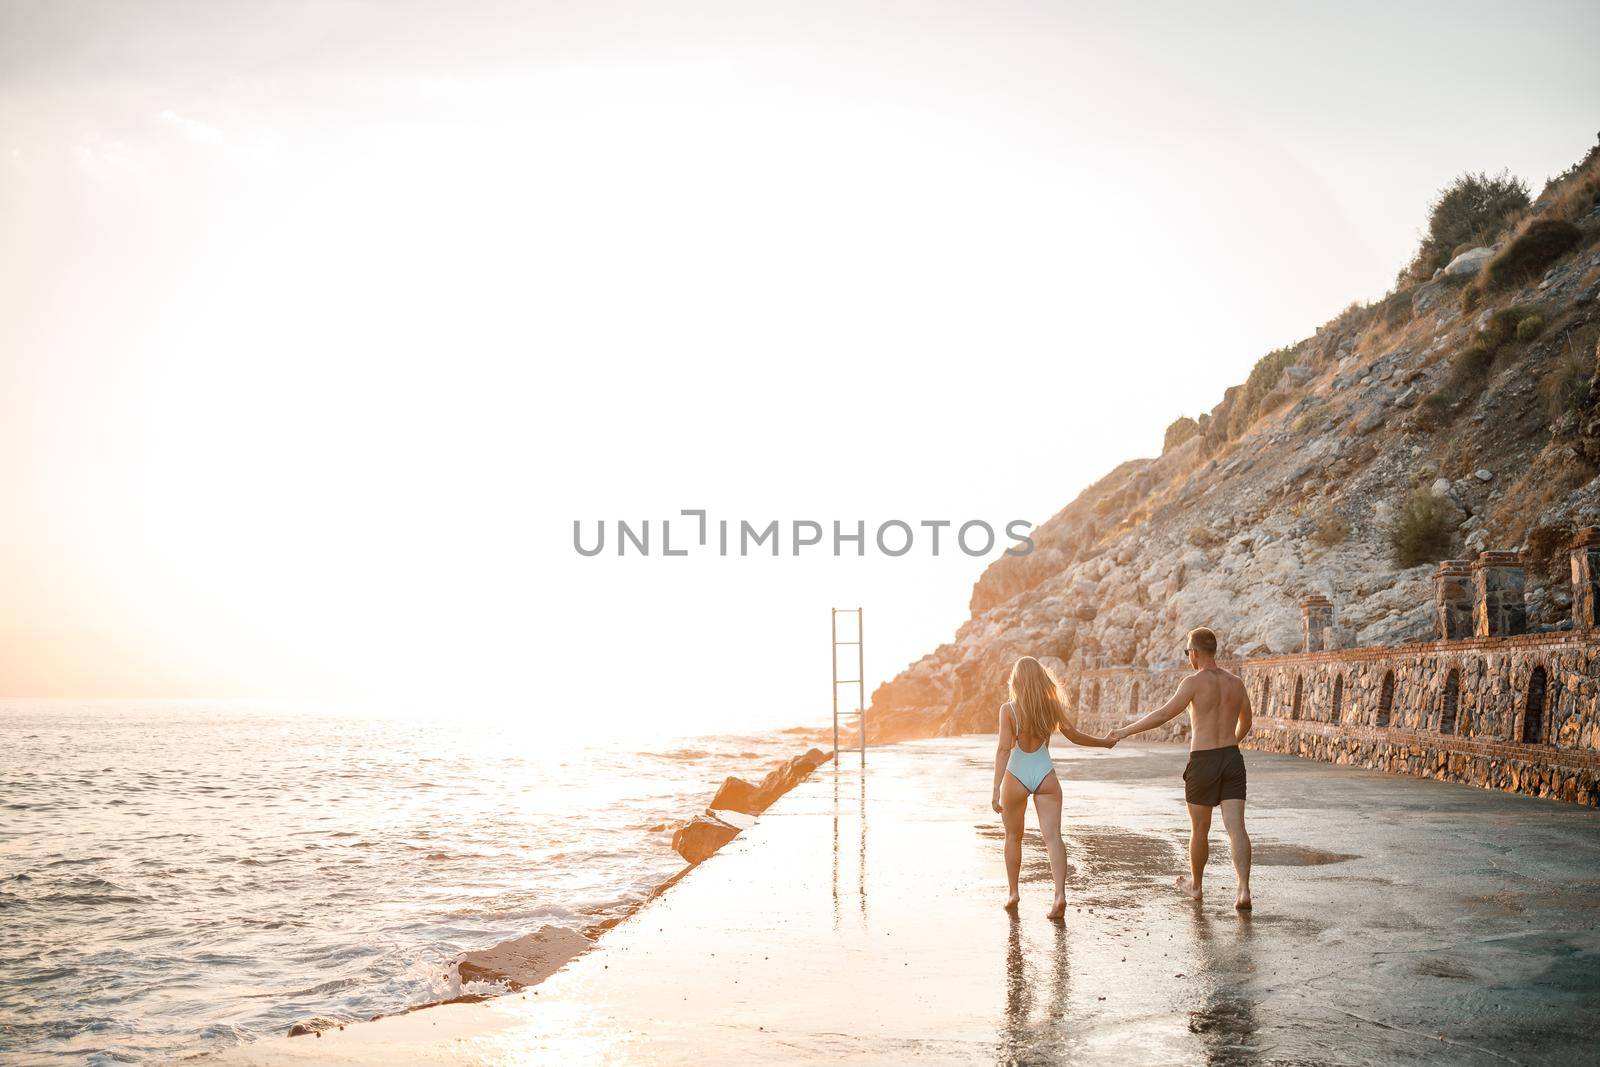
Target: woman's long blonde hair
1037, 702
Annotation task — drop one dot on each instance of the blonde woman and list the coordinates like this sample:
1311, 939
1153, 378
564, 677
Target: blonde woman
1022, 766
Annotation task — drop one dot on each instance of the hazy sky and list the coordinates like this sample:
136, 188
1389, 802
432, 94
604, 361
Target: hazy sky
322, 322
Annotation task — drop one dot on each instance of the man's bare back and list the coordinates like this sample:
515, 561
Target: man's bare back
1217, 699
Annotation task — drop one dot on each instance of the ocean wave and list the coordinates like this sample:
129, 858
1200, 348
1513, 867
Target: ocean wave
410, 844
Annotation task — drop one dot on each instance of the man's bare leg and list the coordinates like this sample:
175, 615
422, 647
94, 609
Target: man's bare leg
1199, 850
1239, 845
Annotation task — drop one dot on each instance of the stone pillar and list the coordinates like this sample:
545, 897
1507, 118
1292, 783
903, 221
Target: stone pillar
1452, 599
1498, 609
1586, 577
1316, 615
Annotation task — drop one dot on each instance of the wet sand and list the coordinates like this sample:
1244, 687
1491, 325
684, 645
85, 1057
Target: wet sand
1397, 921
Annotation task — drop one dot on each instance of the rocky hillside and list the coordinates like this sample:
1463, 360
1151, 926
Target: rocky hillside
1458, 413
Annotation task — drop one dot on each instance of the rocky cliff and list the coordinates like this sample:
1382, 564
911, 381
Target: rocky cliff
1453, 415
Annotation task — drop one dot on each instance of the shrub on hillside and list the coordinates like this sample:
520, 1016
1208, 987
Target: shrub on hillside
1181, 429
1467, 212
1311, 417
1422, 529
1575, 191
1565, 386
1470, 296
1471, 365
1202, 537
1261, 384
1539, 244
1503, 324
1530, 327
1396, 309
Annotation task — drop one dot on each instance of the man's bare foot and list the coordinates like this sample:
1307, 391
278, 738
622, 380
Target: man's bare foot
1243, 901
1011, 902
1058, 909
1188, 888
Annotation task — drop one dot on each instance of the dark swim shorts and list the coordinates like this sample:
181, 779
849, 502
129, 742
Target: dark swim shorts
1214, 775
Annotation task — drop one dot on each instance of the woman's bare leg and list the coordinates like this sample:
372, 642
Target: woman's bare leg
1047, 802
1013, 807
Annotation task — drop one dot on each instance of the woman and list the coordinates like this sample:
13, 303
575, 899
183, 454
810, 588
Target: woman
1022, 766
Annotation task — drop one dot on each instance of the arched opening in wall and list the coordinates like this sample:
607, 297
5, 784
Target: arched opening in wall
1338, 698
1452, 701
1299, 695
1266, 695
1533, 710
1094, 699
1386, 698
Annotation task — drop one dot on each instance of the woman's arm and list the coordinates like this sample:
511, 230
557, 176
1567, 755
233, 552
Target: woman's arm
1078, 737
1002, 753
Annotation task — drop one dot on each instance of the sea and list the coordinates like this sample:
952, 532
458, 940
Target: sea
181, 876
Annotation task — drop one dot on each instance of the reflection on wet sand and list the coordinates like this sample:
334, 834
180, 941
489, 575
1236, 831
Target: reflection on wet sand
1029, 1033
859, 777
1225, 972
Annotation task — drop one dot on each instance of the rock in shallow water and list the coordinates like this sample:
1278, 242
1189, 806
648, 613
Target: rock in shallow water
702, 837
525, 961
315, 1025
737, 794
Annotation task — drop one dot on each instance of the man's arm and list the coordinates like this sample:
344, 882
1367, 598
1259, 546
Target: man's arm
1243, 726
1164, 714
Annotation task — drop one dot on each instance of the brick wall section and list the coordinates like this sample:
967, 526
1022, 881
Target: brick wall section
1493, 742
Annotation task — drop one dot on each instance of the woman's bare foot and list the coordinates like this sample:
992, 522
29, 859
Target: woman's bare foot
1058, 909
1243, 900
1188, 888
1011, 902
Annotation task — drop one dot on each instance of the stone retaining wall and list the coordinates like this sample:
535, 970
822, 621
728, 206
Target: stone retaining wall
1521, 714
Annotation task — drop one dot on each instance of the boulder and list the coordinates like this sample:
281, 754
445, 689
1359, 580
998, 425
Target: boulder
739, 795
1468, 263
702, 837
526, 960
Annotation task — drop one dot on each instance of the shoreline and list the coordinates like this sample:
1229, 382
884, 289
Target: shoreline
861, 921
523, 962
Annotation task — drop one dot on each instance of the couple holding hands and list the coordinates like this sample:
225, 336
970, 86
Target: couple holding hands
1219, 718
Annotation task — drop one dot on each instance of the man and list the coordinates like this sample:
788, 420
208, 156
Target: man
1219, 718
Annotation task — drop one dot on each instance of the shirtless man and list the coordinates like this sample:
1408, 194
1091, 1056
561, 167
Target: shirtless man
1219, 718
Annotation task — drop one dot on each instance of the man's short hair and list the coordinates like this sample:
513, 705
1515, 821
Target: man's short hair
1201, 639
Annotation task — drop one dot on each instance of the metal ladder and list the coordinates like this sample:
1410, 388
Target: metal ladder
859, 681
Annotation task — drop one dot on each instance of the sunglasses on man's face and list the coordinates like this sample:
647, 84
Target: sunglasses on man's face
1188, 652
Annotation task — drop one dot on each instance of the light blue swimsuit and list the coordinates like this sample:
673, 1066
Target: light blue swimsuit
1029, 768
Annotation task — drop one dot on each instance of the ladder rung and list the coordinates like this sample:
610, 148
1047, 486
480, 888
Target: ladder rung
847, 681
841, 713
847, 642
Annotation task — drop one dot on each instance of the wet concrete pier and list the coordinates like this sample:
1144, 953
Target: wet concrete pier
1396, 921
